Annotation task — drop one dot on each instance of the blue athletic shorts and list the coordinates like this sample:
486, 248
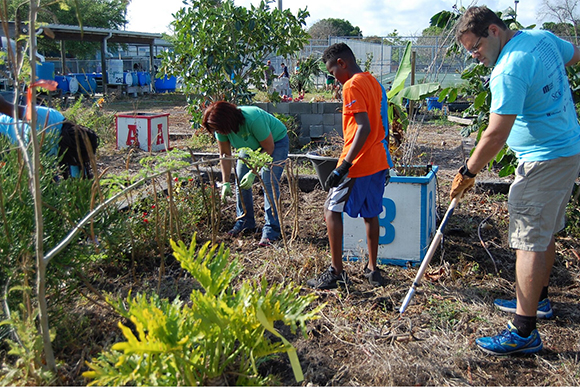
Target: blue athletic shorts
359, 196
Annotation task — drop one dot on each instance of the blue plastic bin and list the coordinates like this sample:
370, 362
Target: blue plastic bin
165, 84
432, 103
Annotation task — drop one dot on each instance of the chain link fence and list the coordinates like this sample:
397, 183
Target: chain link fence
383, 57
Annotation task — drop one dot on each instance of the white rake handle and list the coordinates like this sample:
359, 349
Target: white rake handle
430, 252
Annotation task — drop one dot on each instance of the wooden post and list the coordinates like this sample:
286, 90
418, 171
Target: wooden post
413, 63
105, 81
63, 56
152, 66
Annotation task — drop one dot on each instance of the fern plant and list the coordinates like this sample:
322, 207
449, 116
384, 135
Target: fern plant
217, 338
28, 369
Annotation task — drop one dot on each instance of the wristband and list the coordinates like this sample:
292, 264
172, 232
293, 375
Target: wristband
464, 171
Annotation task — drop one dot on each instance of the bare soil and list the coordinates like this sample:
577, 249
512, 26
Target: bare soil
361, 338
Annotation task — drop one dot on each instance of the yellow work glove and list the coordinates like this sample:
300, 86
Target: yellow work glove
247, 181
463, 181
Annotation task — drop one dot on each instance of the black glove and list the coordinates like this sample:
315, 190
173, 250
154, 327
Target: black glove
337, 176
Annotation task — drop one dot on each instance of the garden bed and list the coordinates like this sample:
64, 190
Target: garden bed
360, 338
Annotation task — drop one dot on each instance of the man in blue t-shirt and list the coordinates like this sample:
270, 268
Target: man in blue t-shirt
533, 112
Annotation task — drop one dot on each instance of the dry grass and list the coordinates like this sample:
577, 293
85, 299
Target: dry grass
361, 339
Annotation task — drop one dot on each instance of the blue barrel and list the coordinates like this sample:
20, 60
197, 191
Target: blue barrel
92, 81
135, 79
62, 83
142, 78
165, 84
45, 70
87, 83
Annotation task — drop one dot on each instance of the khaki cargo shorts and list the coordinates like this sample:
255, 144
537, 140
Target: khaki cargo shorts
537, 201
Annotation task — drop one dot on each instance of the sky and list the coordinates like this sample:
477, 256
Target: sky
373, 17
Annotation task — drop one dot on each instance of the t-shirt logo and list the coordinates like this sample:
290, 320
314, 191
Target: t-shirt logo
350, 104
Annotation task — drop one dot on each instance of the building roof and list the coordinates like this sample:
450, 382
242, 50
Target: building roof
95, 34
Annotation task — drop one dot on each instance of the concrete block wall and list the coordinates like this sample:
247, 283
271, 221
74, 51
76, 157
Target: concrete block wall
316, 119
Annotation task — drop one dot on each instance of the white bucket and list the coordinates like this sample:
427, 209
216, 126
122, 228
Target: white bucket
128, 79
73, 84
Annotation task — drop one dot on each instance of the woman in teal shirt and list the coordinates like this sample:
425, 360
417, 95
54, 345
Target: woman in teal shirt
249, 127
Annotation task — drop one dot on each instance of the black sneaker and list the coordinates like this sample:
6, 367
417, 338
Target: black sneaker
329, 280
375, 278
239, 228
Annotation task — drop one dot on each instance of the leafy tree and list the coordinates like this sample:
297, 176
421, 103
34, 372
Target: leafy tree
564, 11
309, 68
560, 29
433, 31
373, 39
109, 14
394, 39
324, 28
220, 60
476, 77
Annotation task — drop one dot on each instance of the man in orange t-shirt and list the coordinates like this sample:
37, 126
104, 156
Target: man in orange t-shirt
356, 186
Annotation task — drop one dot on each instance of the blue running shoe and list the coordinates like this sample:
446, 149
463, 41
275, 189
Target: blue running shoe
544, 307
509, 342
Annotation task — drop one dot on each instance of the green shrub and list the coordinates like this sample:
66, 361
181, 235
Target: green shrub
217, 338
65, 202
92, 115
293, 128
28, 369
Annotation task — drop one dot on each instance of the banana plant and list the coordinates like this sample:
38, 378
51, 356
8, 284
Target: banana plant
398, 93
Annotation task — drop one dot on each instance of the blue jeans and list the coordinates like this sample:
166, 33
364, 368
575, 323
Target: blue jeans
271, 178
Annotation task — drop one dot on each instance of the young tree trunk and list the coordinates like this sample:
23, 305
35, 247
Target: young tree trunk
37, 196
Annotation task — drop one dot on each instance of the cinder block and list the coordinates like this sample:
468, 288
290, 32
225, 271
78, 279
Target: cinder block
332, 130
280, 108
262, 105
338, 120
304, 131
300, 108
333, 107
271, 108
328, 119
311, 119
319, 107
316, 131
